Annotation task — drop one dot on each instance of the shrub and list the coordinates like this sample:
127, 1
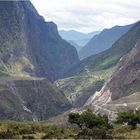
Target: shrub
75, 118
94, 133
27, 137
89, 120
130, 117
53, 132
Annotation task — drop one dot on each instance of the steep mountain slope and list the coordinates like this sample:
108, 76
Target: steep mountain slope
73, 43
29, 45
124, 81
30, 99
79, 38
79, 88
110, 57
103, 41
121, 92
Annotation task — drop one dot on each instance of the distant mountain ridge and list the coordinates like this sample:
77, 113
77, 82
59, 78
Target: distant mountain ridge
110, 57
78, 37
103, 41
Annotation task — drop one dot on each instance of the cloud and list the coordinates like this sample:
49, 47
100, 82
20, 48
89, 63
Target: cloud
88, 15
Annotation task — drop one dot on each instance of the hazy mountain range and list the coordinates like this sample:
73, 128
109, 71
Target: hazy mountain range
103, 41
78, 39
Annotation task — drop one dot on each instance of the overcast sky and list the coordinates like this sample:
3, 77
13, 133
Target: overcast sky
88, 15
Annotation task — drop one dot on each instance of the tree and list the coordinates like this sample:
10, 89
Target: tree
74, 118
89, 120
92, 125
130, 117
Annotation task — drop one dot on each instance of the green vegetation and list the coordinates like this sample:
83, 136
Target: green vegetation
89, 120
17, 68
131, 117
127, 125
98, 127
80, 87
91, 126
126, 132
135, 87
107, 62
29, 130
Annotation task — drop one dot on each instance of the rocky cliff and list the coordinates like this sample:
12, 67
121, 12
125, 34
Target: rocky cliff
29, 46
124, 81
122, 90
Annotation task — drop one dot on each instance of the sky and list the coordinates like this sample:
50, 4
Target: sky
88, 15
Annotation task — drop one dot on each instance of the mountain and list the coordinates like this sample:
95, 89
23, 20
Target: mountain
90, 74
73, 43
30, 99
121, 91
103, 41
124, 81
78, 37
30, 49
29, 46
110, 57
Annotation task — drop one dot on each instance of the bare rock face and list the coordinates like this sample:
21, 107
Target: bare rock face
124, 81
121, 90
29, 46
